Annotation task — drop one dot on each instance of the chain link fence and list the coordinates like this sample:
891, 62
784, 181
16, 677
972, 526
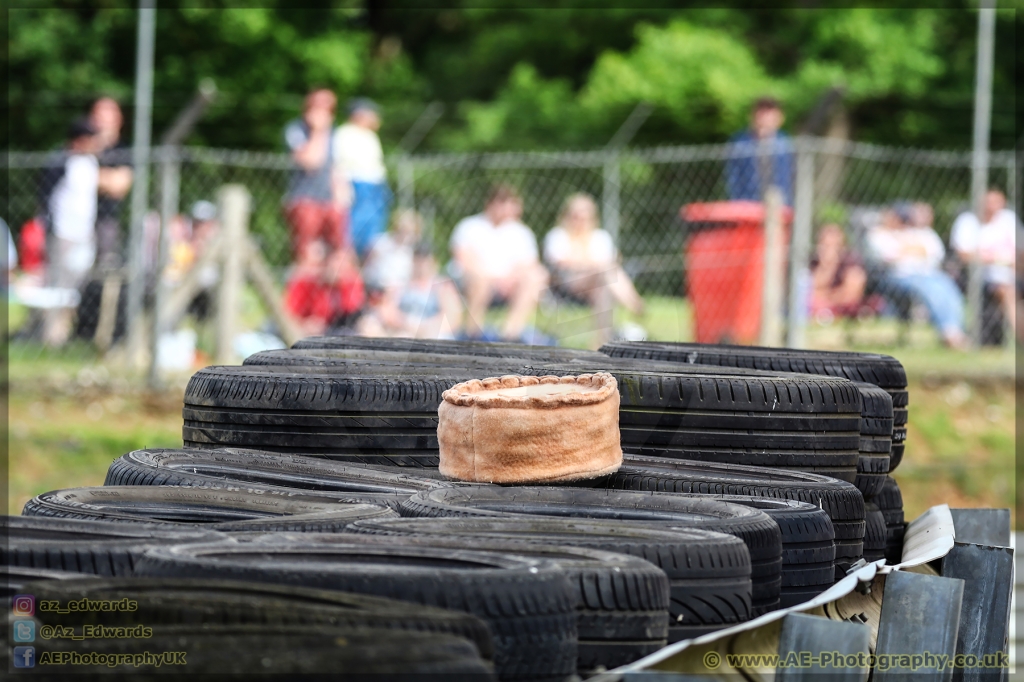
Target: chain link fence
671, 256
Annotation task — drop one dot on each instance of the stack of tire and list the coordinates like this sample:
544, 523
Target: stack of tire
315, 468
880, 379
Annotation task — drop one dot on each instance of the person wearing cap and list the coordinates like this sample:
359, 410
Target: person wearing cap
911, 253
761, 156
311, 206
71, 218
359, 160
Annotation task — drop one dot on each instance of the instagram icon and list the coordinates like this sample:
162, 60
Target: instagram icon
23, 605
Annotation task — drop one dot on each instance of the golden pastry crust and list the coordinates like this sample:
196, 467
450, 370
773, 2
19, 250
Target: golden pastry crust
536, 436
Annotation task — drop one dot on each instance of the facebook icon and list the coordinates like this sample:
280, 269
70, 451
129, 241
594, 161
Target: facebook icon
24, 657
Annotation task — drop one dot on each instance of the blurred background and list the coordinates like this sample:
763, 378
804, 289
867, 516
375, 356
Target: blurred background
802, 177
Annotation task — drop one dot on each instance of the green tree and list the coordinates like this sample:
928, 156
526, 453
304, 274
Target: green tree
514, 77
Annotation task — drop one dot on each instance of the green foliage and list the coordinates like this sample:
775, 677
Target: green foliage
514, 78
705, 77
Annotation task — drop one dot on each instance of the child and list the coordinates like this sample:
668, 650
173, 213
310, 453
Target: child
428, 307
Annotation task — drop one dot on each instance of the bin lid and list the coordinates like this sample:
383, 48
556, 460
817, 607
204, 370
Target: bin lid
729, 212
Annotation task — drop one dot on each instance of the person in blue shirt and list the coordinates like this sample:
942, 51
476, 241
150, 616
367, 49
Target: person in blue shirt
761, 156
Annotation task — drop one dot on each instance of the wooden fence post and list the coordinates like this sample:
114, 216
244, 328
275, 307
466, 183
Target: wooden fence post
234, 203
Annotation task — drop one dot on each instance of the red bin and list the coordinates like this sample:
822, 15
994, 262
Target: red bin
724, 264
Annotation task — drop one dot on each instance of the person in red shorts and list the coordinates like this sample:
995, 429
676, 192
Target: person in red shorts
315, 203
325, 293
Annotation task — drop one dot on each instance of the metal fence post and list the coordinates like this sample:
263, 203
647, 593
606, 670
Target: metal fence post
610, 196
1009, 333
170, 185
1011, 183
610, 207
234, 203
140, 183
980, 156
405, 171
800, 244
771, 288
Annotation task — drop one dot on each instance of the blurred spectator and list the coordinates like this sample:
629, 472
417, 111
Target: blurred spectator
761, 156
584, 263
359, 160
311, 205
838, 277
325, 291
115, 179
71, 210
346, 290
990, 242
495, 260
189, 238
12, 251
912, 253
426, 307
301, 296
32, 248
389, 263
430, 304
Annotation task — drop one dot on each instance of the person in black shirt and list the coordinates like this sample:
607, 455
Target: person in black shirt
114, 183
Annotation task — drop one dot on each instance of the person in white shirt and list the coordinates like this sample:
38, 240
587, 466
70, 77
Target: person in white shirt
389, 263
359, 161
912, 253
494, 258
991, 243
584, 263
71, 213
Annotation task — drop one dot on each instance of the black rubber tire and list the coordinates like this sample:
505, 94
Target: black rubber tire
13, 579
761, 535
352, 357
872, 469
896, 454
876, 409
216, 508
171, 601
894, 543
254, 467
372, 410
622, 600
217, 479
363, 410
799, 595
807, 533
272, 652
840, 499
528, 605
875, 535
875, 445
798, 422
447, 347
880, 370
808, 542
709, 573
890, 503
94, 547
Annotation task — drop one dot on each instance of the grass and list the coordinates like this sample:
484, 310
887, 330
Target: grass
64, 440
71, 413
